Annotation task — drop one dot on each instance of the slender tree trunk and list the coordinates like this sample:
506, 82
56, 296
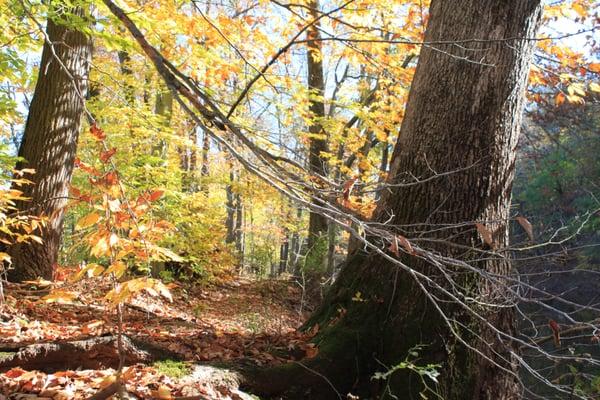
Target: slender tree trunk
50, 142
124, 64
163, 106
239, 227
317, 224
190, 177
230, 205
283, 253
296, 246
204, 162
463, 115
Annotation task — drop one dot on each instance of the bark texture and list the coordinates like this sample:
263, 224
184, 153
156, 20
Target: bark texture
50, 142
463, 115
317, 224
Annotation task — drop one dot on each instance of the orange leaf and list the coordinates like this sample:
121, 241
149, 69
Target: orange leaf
87, 221
399, 239
155, 195
111, 178
106, 155
311, 350
163, 392
486, 235
348, 185
14, 373
97, 132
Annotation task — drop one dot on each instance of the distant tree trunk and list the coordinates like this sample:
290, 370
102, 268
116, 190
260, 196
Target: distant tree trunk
317, 224
190, 177
49, 143
204, 161
163, 106
230, 205
124, 61
283, 253
463, 115
239, 227
296, 246
284, 246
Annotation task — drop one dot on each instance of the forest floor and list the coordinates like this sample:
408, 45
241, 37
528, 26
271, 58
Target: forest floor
58, 351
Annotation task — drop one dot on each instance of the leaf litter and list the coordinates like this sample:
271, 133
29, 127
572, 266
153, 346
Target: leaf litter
237, 321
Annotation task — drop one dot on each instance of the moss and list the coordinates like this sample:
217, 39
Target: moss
173, 369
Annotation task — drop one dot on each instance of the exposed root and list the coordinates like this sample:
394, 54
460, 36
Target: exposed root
95, 353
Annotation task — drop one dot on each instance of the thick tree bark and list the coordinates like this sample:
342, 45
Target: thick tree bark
50, 143
463, 115
317, 224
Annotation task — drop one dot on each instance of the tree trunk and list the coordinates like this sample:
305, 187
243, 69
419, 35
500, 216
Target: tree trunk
239, 227
317, 224
230, 208
50, 143
463, 115
163, 106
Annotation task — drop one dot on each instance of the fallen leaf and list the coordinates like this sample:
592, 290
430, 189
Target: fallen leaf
526, 226
486, 235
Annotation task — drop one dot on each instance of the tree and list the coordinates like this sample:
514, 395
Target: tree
452, 168
317, 223
50, 138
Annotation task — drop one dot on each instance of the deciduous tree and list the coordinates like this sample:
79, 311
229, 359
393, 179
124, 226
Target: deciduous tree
50, 138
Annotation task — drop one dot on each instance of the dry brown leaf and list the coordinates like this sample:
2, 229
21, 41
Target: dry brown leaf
485, 233
526, 226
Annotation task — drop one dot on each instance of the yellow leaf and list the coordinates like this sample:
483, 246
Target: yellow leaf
5, 258
101, 247
163, 392
594, 87
106, 382
113, 240
90, 270
167, 254
35, 238
88, 220
118, 268
59, 296
576, 89
575, 99
40, 282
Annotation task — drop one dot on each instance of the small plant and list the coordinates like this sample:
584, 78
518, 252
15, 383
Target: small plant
428, 372
14, 227
172, 368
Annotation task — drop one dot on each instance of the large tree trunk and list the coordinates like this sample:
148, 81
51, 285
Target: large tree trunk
463, 115
317, 224
50, 143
